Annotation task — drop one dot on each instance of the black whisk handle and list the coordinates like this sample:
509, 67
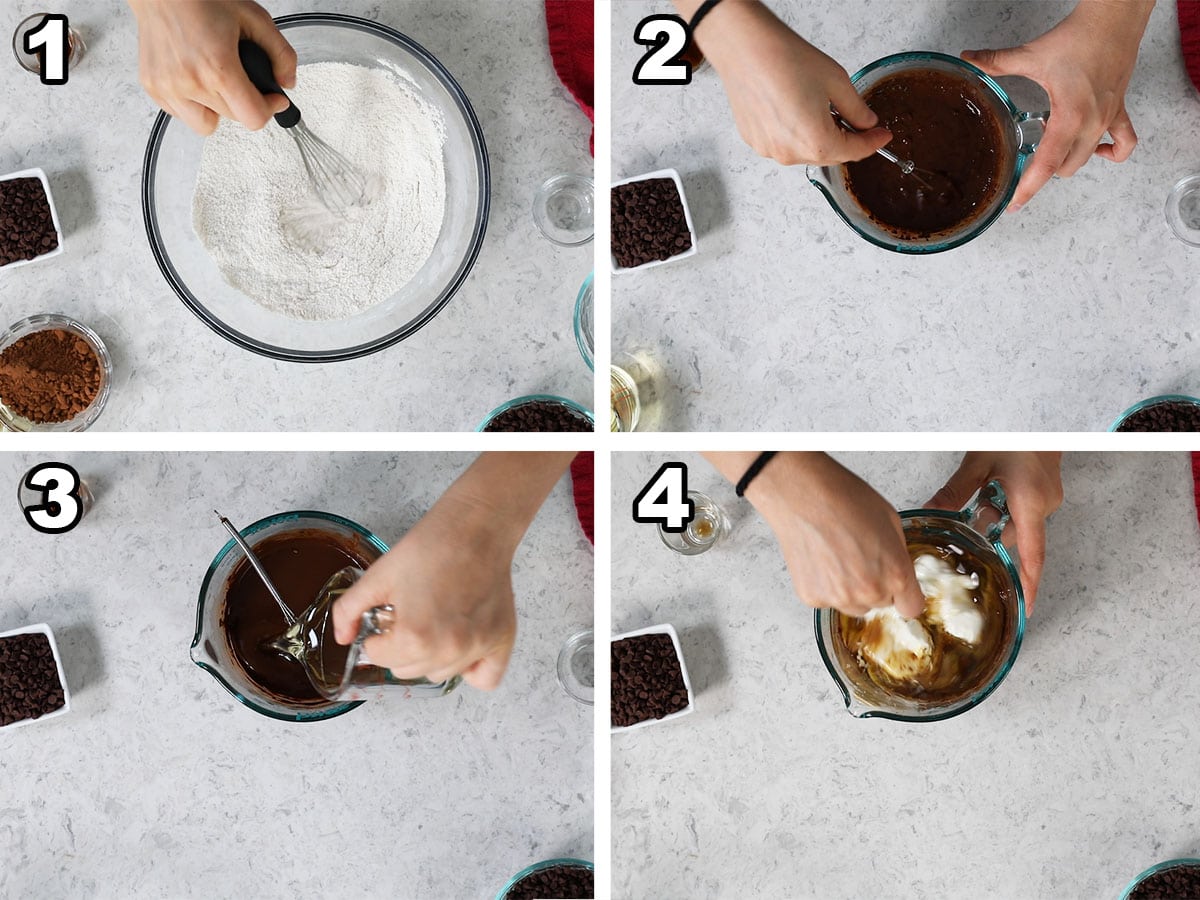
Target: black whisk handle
258, 67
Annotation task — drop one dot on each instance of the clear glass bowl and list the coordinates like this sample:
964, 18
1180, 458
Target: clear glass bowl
537, 867
563, 210
169, 178
831, 180
576, 667
210, 649
1183, 210
10, 421
532, 398
1152, 401
1154, 870
584, 323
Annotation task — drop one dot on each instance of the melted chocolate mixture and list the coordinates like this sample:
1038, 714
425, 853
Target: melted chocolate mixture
299, 565
959, 669
946, 126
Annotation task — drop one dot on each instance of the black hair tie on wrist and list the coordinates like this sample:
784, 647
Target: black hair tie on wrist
704, 9
752, 472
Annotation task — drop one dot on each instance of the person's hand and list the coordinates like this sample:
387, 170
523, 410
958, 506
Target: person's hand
189, 60
450, 582
780, 88
1084, 63
842, 542
1032, 483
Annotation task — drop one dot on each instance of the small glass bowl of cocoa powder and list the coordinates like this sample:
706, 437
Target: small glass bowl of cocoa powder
55, 375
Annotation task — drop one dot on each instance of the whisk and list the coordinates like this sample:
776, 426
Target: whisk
337, 183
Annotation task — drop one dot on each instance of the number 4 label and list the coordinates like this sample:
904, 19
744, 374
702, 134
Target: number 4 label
664, 500
49, 43
668, 38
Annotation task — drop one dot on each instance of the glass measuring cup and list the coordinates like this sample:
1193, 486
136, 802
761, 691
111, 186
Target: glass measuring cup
979, 526
211, 649
1022, 132
346, 673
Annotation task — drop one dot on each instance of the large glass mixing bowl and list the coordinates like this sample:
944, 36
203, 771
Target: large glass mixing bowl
169, 178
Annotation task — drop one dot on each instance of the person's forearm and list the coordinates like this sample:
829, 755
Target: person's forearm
724, 25
1115, 18
503, 491
800, 469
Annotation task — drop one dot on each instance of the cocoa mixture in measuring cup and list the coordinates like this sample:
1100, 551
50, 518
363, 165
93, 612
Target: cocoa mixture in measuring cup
956, 668
299, 565
49, 376
945, 125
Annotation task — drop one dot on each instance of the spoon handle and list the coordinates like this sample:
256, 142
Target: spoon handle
288, 615
258, 68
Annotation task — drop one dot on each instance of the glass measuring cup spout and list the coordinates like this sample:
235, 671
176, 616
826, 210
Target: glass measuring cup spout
340, 672
979, 528
1022, 131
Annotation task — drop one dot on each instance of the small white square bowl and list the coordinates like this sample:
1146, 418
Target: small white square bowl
41, 176
687, 215
62, 676
691, 704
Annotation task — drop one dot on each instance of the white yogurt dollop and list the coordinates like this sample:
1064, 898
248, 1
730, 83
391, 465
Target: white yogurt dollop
949, 600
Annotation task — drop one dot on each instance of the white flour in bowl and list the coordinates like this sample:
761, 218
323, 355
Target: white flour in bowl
255, 211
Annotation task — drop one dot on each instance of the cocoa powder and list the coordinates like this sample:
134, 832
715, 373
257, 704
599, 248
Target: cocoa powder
49, 376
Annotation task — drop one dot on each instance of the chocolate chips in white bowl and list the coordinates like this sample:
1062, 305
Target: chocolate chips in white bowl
29, 228
651, 222
32, 684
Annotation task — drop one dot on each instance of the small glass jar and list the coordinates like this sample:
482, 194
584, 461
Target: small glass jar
563, 210
709, 526
585, 323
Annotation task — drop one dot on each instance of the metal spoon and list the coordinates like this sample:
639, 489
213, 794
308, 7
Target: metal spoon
288, 615
906, 165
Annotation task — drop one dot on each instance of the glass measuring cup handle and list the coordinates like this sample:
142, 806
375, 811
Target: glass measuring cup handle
1031, 128
987, 512
362, 673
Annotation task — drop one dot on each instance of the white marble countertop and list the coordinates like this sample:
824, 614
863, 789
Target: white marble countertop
157, 783
1074, 776
507, 332
1057, 318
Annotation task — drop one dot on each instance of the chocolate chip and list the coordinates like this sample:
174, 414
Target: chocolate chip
1170, 415
29, 685
647, 679
28, 229
562, 882
539, 415
648, 222
1176, 883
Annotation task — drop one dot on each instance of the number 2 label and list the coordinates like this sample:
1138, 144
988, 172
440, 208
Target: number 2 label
49, 43
664, 500
667, 36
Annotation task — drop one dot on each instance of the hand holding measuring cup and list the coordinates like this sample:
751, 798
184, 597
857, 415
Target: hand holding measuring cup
449, 584
1084, 63
1033, 485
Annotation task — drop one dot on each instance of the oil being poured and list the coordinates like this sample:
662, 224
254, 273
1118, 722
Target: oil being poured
954, 647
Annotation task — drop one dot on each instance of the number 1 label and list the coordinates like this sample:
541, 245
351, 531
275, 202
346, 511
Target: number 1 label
48, 42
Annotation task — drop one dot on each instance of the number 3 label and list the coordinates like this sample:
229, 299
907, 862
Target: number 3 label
668, 38
664, 500
60, 508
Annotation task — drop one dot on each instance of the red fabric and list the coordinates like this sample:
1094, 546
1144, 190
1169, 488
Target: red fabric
569, 25
1196, 481
1189, 33
582, 477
